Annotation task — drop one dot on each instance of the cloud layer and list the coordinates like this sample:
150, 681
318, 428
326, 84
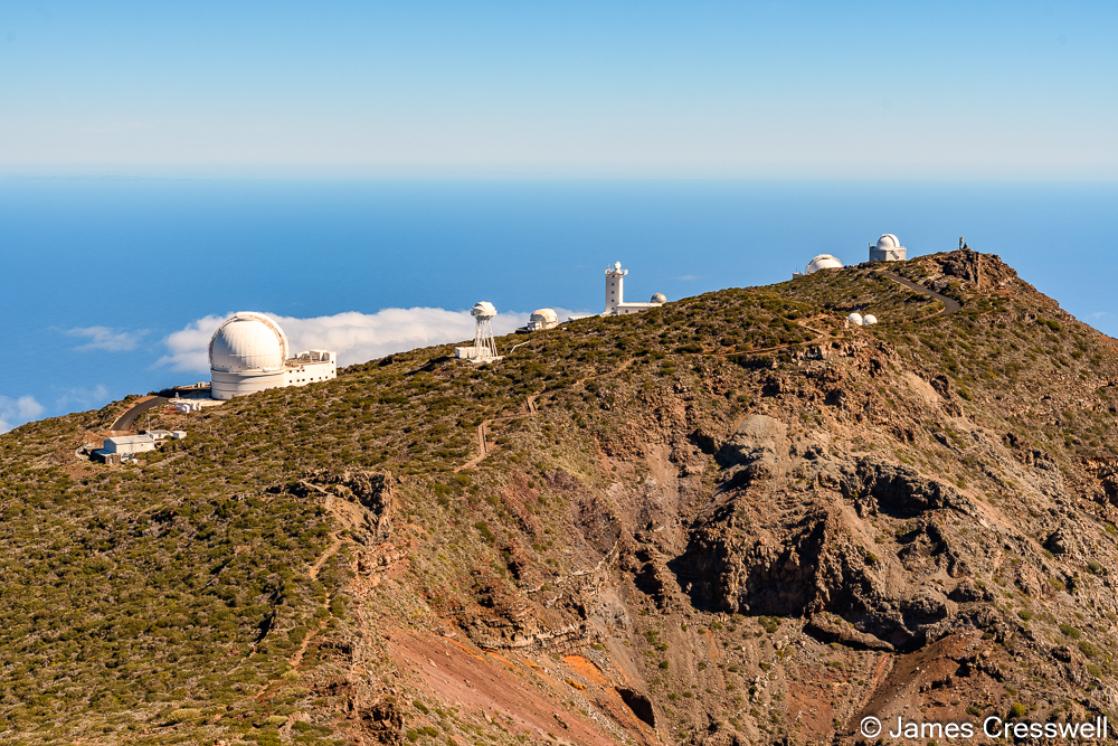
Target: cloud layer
106, 338
356, 337
15, 411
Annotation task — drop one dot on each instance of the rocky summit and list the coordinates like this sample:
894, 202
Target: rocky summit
732, 519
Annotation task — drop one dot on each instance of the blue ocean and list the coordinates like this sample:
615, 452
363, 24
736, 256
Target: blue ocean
97, 272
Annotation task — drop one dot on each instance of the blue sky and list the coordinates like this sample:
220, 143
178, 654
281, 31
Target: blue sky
316, 160
859, 90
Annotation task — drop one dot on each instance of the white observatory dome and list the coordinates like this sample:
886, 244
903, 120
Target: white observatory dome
483, 309
658, 298
888, 241
248, 341
822, 261
544, 316
855, 319
888, 249
869, 319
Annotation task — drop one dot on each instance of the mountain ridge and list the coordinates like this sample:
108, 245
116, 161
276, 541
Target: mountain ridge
729, 520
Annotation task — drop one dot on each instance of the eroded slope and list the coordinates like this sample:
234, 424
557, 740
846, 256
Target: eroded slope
727, 520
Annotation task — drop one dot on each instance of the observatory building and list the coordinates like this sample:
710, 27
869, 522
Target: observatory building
484, 348
541, 318
888, 249
616, 305
860, 319
249, 353
822, 261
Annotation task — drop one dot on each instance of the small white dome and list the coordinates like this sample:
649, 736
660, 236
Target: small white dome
855, 319
483, 309
658, 298
822, 261
888, 241
544, 316
248, 341
869, 319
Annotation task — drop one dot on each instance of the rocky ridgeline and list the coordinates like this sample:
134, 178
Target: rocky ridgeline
728, 520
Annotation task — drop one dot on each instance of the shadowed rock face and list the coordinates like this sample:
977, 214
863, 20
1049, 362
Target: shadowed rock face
639, 704
816, 555
804, 569
896, 491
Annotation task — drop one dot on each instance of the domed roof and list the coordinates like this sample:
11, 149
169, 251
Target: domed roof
483, 309
248, 341
888, 241
658, 298
822, 261
544, 314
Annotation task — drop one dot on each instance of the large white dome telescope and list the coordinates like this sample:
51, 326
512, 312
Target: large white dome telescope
249, 353
246, 342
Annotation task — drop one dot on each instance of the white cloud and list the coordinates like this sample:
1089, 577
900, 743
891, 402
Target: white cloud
15, 411
355, 336
106, 338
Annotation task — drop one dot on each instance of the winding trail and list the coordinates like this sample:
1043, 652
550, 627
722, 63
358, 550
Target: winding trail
529, 409
482, 449
296, 658
820, 336
323, 558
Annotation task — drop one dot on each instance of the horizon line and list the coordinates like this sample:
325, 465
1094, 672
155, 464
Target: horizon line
322, 176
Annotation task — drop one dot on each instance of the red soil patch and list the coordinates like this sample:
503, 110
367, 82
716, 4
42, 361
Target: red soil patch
527, 699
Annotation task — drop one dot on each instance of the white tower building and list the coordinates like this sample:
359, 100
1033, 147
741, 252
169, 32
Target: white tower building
616, 305
249, 352
484, 349
888, 249
615, 288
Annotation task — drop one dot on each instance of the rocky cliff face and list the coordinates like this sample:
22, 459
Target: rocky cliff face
730, 520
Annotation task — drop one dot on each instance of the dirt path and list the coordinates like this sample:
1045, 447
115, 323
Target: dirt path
529, 409
296, 658
330, 551
819, 337
482, 449
950, 306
